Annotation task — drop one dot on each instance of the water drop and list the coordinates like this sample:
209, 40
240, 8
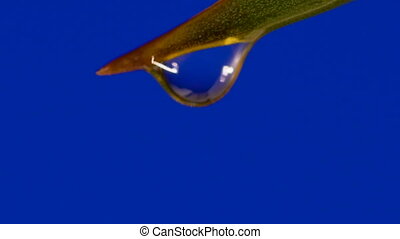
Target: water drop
203, 77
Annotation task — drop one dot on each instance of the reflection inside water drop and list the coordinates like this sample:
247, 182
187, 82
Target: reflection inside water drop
203, 77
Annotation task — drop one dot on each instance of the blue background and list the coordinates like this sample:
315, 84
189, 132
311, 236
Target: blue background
309, 134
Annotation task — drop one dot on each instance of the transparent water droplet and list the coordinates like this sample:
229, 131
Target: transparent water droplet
202, 77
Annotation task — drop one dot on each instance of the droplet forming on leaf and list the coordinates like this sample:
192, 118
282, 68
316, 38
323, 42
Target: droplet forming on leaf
202, 77
198, 62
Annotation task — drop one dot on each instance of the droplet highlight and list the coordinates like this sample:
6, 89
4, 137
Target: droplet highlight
203, 77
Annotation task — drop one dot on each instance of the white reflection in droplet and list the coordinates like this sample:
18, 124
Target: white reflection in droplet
226, 71
174, 69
